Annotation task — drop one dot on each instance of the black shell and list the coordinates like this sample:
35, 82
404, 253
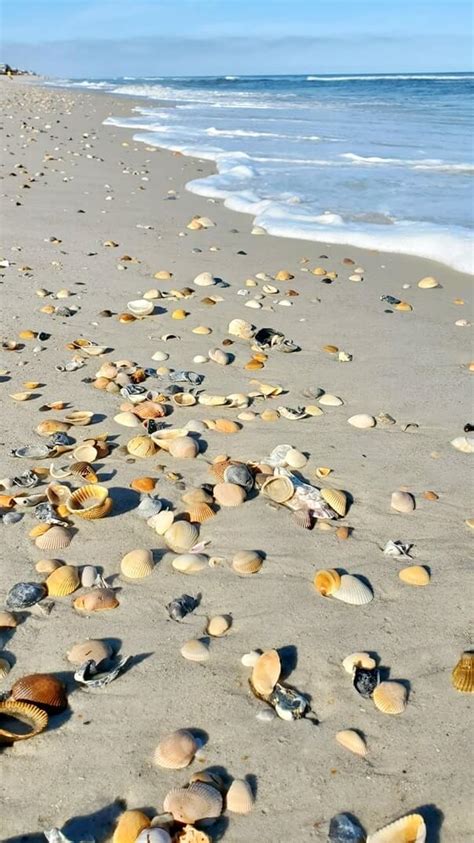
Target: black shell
343, 829
24, 594
365, 680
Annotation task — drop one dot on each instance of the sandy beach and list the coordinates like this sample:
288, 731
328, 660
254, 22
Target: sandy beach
69, 185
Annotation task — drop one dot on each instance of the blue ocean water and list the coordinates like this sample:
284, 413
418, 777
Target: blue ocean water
380, 161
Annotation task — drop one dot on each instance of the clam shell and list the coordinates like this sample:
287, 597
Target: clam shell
141, 446
85, 453
410, 829
239, 798
7, 620
204, 279
352, 741
176, 751
278, 489
295, 459
79, 417
240, 474
88, 501
212, 400
140, 307
137, 564
247, 562
202, 330
162, 521
200, 512
238, 399
25, 594
197, 495
97, 600
129, 826
195, 650
189, 563
63, 581
414, 575
327, 582
127, 419
84, 471
219, 356
143, 484
361, 420
359, 660
465, 444
353, 591
240, 328
199, 801
428, 283
56, 538
50, 426
227, 426
329, 400
218, 625
266, 673
181, 536
462, 676
390, 697
336, 500
184, 399
94, 649
25, 713
229, 494
184, 448
42, 690
402, 502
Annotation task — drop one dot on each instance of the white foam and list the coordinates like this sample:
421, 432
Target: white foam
387, 77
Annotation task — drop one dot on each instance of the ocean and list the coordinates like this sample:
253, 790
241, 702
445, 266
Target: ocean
378, 161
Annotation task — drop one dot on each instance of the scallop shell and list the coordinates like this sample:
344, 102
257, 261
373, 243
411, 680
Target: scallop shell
303, 518
94, 649
89, 502
161, 522
361, 420
195, 650
200, 512
336, 500
79, 417
278, 489
239, 798
140, 307
42, 690
266, 673
197, 495
137, 564
410, 829
127, 419
352, 741
56, 538
7, 620
402, 502
414, 575
83, 470
189, 563
327, 582
353, 591
390, 697
129, 826
176, 751
184, 448
247, 562
184, 399
181, 536
25, 713
141, 446
219, 625
97, 600
63, 581
219, 467
462, 676
5, 668
229, 494
358, 660
199, 801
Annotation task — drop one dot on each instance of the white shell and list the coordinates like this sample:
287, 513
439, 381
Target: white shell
402, 502
160, 356
204, 279
328, 400
140, 307
464, 444
153, 835
353, 591
161, 521
361, 420
195, 650
250, 659
189, 563
360, 658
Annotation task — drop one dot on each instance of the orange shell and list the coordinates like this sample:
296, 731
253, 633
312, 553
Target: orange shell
129, 826
84, 470
229, 494
90, 502
227, 426
63, 581
200, 512
41, 689
414, 575
462, 676
7, 501
97, 600
266, 673
38, 530
143, 484
218, 469
149, 410
390, 697
25, 713
327, 582
253, 364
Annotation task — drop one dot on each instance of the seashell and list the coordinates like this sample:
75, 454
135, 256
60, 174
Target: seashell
302, 517
155, 835
238, 399
239, 798
361, 420
84, 471
85, 453
137, 564
414, 575
247, 562
219, 356
50, 426
7, 620
148, 507
63, 581
229, 494
199, 801
465, 444
98, 600
79, 417
181, 536
25, 594
143, 484
176, 751
251, 659
184, 448
127, 419
410, 829
358, 660
343, 532
160, 356
295, 459
240, 328
266, 673
351, 740
219, 467
462, 676
330, 349
56, 538
239, 474
189, 563
353, 591
390, 697
196, 496
212, 400
218, 625
403, 306
29, 500
402, 502
179, 314
107, 370
129, 826
278, 488
200, 512
88, 576
140, 307
284, 275
184, 399
41, 689
327, 582
5, 668
150, 410
428, 283
336, 500
141, 446
161, 522
24, 713
430, 496
204, 279
163, 275
90, 502
195, 650
94, 649
27, 335
227, 426
329, 400
20, 396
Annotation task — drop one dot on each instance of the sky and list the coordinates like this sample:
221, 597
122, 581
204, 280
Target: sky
108, 38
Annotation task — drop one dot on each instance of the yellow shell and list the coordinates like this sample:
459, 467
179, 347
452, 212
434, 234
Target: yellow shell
414, 575
7, 620
129, 826
410, 829
46, 428
284, 275
266, 673
161, 522
200, 512
390, 697
47, 566
79, 417
336, 500
428, 283
5, 668
90, 502
253, 364
25, 713
181, 536
84, 471
239, 798
219, 625
27, 335
137, 564
38, 530
351, 740
403, 306
31, 384
462, 676
330, 349
327, 582
202, 329
20, 396
176, 751
163, 275
141, 446
247, 562
227, 426
56, 538
179, 314
63, 581
278, 489
143, 484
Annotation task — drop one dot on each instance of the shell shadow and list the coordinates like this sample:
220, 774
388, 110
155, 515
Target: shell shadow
137, 659
124, 500
433, 818
215, 829
97, 825
288, 659
203, 737
252, 782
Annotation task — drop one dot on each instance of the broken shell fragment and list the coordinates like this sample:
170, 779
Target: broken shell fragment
33, 716
358, 660
176, 751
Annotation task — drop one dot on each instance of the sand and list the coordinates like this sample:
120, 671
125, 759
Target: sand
411, 365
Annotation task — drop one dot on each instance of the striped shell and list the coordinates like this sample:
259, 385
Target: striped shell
63, 581
176, 750
462, 676
302, 517
327, 582
199, 801
278, 489
239, 798
247, 562
266, 673
229, 494
353, 591
129, 826
42, 690
414, 575
351, 740
56, 538
90, 502
137, 564
336, 500
25, 713
410, 829
196, 496
141, 446
161, 522
219, 468
189, 563
200, 512
390, 697
97, 600
91, 649
181, 536
5, 668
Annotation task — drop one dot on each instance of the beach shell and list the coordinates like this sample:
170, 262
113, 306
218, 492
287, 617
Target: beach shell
24, 713
179, 313
329, 400
336, 499
218, 625
204, 279
140, 307
295, 459
358, 660
137, 564
361, 420
238, 399
25, 594
20, 396
83, 470
163, 275
229, 494
240, 328
410, 829
5, 668
50, 426
402, 502
85, 453
390, 697
155, 835
88, 576
176, 751
195, 650
219, 356
199, 801
303, 518
161, 522
239, 798
184, 399
63, 581
465, 444
327, 582
343, 532
143, 484
278, 489
247, 562
98, 600
89, 502
240, 474
266, 673
212, 400
353, 591
462, 676
189, 563
197, 495
7, 620
200, 512
227, 426
403, 306
41, 689
129, 826
428, 283
94, 649
127, 419
56, 538
184, 448
79, 417
414, 575
352, 741
181, 536
141, 446
430, 496
284, 275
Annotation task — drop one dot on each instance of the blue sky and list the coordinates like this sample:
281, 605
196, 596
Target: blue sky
99, 38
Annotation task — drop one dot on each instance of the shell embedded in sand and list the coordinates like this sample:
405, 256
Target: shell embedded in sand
200, 512
358, 660
140, 307
336, 499
127, 419
163, 275
98, 600
195, 650
204, 279
327, 582
181, 536
329, 400
462, 676
33, 716
246, 562
410, 829
189, 563
428, 283
184, 448
465, 444
137, 564
390, 697
227, 426
240, 328
41, 689
20, 396
184, 399
266, 673
352, 741
56, 538
161, 522
361, 420
199, 801
129, 826
212, 400
353, 591
91, 649
141, 446
89, 501
414, 575
278, 489
229, 494
402, 502
239, 798
176, 751
219, 625
63, 581
8, 620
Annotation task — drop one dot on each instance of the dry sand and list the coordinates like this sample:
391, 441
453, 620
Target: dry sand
410, 365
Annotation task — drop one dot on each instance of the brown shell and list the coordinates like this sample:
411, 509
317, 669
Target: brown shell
7, 620
327, 582
462, 676
63, 581
229, 494
25, 713
143, 484
200, 512
97, 600
199, 801
149, 410
129, 826
176, 750
84, 470
266, 673
219, 468
41, 689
